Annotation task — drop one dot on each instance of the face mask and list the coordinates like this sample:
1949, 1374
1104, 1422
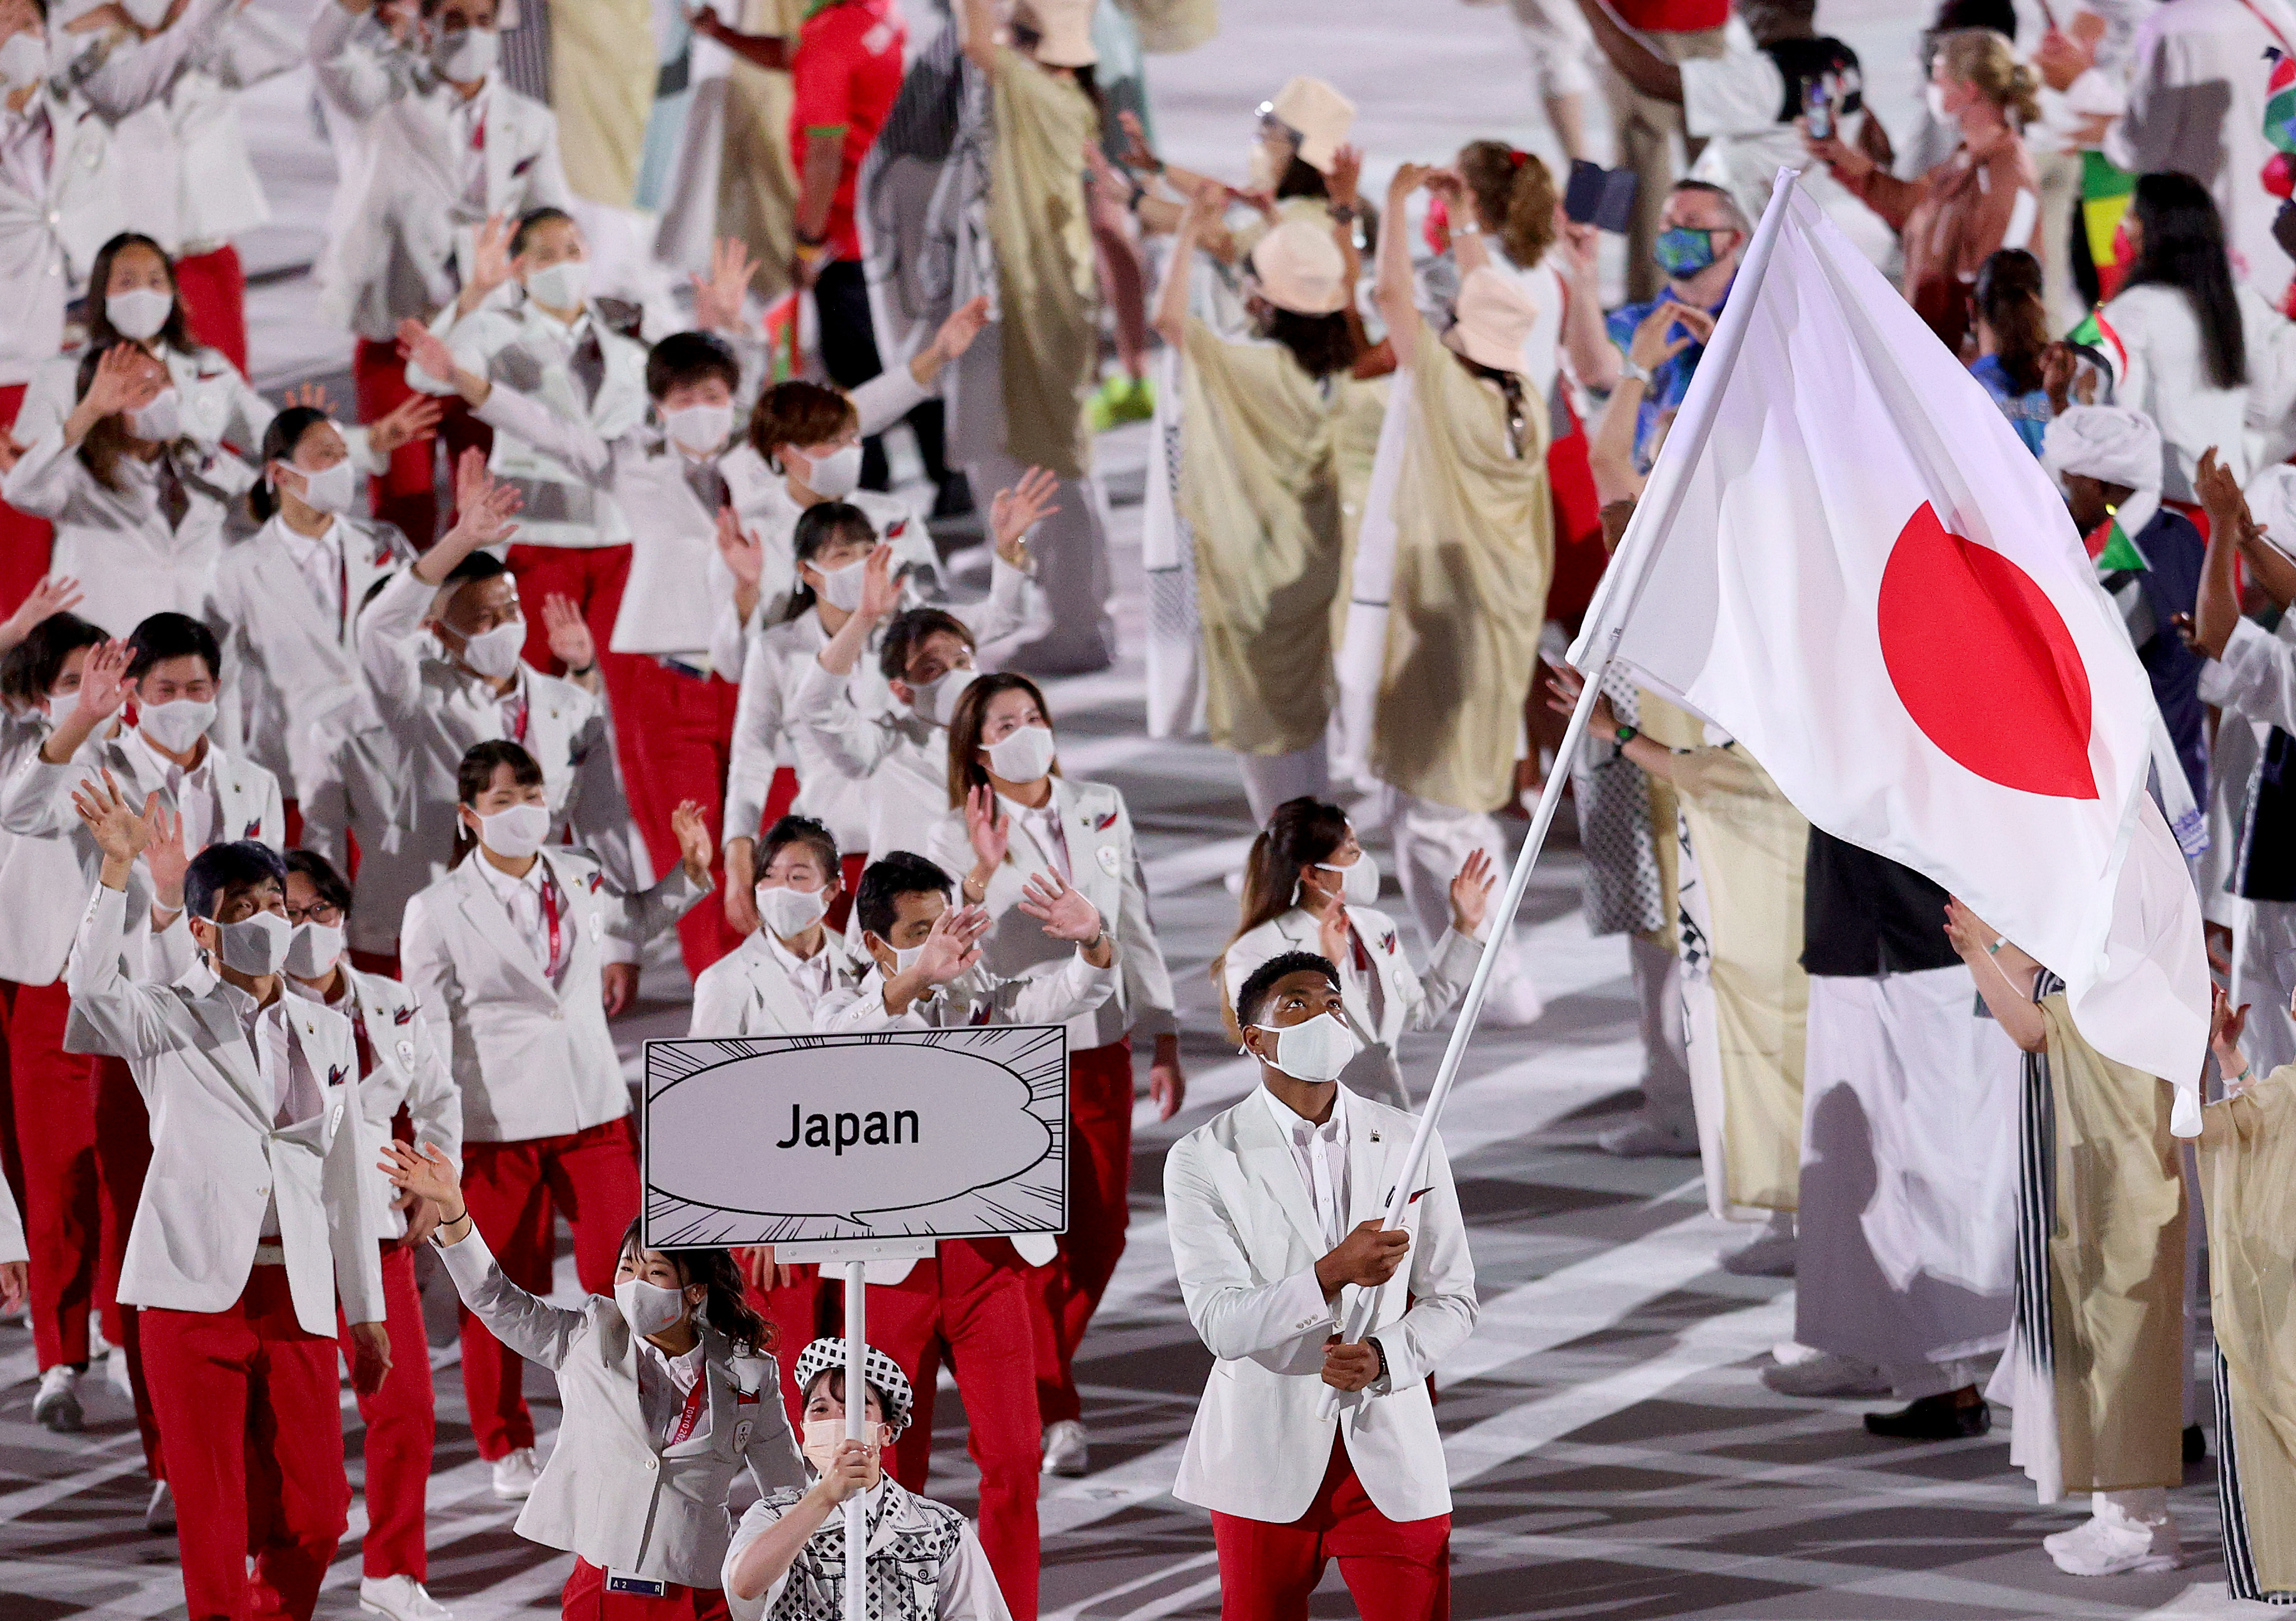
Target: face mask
824, 1436
159, 423
1260, 169
312, 948
330, 489
255, 946
139, 312
1314, 1050
904, 957
517, 833
494, 654
699, 428
937, 698
837, 474
649, 1308
176, 726
23, 61
1358, 884
146, 15
1933, 94
1023, 755
62, 702
464, 54
842, 588
1682, 252
789, 912
564, 285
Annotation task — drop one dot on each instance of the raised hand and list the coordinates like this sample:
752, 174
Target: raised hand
1650, 346
102, 683
426, 1172
1061, 907
1969, 934
570, 641
414, 417
1408, 178
1471, 892
310, 396
1013, 512
1335, 932
119, 830
695, 847
987, 827
54, 594
2058, 364
743, 552
164, 855
881, 592
125, 380
426, 351
1136, 151
1346, 176
489, 260
717, 297
963, 326
484, 506
953, 946
2222, 499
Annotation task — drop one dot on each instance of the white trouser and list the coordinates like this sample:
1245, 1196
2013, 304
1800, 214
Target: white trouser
1558, 40
1271, 779
1667, 1103
2141, 1509
1911, 1381
1432, 841
2263, 977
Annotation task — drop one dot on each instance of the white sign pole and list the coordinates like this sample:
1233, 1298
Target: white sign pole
856, 1417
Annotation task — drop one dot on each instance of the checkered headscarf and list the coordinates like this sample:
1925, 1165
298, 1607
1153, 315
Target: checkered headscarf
881, 1372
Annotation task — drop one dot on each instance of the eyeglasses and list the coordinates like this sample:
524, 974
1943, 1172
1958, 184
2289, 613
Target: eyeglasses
325, 913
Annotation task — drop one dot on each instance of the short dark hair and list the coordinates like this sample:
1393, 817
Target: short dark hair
476, 773
279, 442
799, 830
907, 631
531, 221
331, 885
800, 413
883, 884
689, 357
175, 334
220, 869
1259, 985
818, 528
172, 635
34, 665
478, 565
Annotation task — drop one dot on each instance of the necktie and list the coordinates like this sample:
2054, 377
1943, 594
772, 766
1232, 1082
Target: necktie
175, 502
707, 484
589, 364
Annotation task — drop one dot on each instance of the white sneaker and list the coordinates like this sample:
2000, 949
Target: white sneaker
515, 1475
445, 1355
115, 1373
160, 1513
57, 1405
1826, 1375
2098, 1547
1064, 1448
400, 1598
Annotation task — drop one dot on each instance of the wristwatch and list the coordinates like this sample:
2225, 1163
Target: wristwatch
1640, 373
1628, 734
1342, 212
1380, 1351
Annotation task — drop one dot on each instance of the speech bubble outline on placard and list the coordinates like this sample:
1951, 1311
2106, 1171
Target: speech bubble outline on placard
973, 1125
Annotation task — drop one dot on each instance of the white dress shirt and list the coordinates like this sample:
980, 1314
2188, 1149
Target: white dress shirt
468, 121
522, 898
285, 1074
1321, 1153
194, 790
665, 1383
1043, 825
808, 976
324, 568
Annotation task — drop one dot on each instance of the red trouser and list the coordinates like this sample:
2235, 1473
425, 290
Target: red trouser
214, 290
1396, 1570
1100, 1183
794, 1310
594, 576
123, 1153
55, 1098
24, 539
407, 494
586, 1599
247, 1397
970, 1304
675, 736
401, 1421
511, 1189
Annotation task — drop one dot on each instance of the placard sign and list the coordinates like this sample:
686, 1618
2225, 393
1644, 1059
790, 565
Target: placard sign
888, 1134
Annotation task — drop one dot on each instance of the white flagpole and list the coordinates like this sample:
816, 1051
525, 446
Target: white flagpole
1654, 517
856, 1415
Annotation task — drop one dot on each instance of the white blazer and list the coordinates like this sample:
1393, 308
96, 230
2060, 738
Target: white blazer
1106, 867
613, 1492
218, 1161
353, 793
40, 875
398, 232
763, 739
217, 193
37, 800
533, 1059
1406, 1002
1245, 1241
403, 1069
748, 992
118, 543
289, 659
217, 404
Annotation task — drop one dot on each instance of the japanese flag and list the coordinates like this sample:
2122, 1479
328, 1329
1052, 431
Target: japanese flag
1847, 560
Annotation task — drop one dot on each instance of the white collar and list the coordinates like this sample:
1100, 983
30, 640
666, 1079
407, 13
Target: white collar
1289, 1120
194, 776
245, 1006
790, 962
687, 1367
330, 537
501, 882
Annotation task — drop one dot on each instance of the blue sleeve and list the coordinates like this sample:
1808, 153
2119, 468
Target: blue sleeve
1619, 325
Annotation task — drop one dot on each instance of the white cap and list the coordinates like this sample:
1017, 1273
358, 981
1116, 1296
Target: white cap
1064, 31
1317, 115
1494, 318
1301, 269
2111, 444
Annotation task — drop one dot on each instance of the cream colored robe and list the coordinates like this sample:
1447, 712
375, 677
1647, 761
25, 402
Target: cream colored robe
1045, 269
603, 71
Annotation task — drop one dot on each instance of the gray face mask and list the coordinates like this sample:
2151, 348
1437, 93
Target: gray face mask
255, 946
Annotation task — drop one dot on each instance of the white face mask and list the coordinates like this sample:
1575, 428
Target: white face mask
699, 428
464, 55
330, 489
649, 1308
1315, 1049
564, 285
1023, 755
146, 15
23, 60
937, 699
517, 833
160, 422
837, 474
494, 654
312, 949
904, 957
175, 727
824, 1436
789, 912
1358, 884
842, 588
255, 946
139, 312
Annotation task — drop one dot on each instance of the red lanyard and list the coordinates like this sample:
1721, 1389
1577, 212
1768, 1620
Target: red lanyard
692, 1416
2270, 26
551, 907
518, 708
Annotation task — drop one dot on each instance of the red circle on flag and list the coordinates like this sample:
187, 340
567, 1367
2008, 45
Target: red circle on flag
1982, 661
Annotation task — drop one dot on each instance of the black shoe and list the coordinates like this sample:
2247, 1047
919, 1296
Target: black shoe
2196, 1444
953, 498
1938, 1418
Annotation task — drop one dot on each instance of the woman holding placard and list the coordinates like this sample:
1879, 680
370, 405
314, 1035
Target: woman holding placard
668, 1393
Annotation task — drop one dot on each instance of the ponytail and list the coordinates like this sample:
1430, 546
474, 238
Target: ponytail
1301, 832
2009, 302
1513, 191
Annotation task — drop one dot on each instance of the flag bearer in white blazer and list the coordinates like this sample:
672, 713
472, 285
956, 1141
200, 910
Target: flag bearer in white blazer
516, 956
1275, 1209
400, 1068
1010, 815
669, 1394
254, 1221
